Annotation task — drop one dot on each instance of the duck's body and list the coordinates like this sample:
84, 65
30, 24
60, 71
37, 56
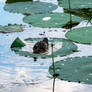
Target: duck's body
41, 47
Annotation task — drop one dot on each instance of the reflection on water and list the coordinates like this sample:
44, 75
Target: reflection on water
17, 72
9, 18
14, 68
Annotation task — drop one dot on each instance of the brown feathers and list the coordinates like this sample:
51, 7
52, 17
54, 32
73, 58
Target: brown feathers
41, 47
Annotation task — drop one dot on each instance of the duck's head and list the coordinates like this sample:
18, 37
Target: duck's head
45, 40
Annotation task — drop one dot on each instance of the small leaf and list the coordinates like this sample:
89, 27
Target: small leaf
17, 43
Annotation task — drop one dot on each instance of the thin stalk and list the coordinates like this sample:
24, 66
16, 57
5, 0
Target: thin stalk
53, 59
53, 84
70, 14
53, 69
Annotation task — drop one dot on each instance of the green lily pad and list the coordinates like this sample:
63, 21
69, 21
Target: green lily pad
74, 69
81, 35
14, 1
76, 4
17, 43
11, 28
67, 48
30, 7
50, 20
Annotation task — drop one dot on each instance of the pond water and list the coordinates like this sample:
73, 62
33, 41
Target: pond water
22, 74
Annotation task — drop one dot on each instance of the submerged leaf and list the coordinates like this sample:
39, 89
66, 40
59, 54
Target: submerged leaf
85, 13
70, 25
11, 28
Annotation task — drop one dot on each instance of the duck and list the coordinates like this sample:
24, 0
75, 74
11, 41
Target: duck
41, 46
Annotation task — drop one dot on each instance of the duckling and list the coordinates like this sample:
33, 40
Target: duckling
41, 47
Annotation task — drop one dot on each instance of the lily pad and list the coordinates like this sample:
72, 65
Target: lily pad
67, 48
11, 28
14, 1
81, 35
30, 7
78, 69
51, 20
17, 43
75, 4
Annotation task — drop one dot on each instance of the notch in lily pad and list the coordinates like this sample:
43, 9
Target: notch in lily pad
17, 43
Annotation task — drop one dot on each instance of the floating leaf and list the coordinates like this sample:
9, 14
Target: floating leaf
81, 35
17, 43
67, 48
14, 1
50, 20
11, 28
30, 7
74, 69
76, 4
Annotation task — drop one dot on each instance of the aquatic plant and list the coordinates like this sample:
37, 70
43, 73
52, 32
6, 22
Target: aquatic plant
85, 13
17, 43
67, 48
76, 4
30, 7
78, 69
51, 20
11, 28
80, 35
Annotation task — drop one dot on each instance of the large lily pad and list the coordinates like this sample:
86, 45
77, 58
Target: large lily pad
74, 69
50, 20
30, 7
76, 4
11, 28
81, 35
67, 48
14, 1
